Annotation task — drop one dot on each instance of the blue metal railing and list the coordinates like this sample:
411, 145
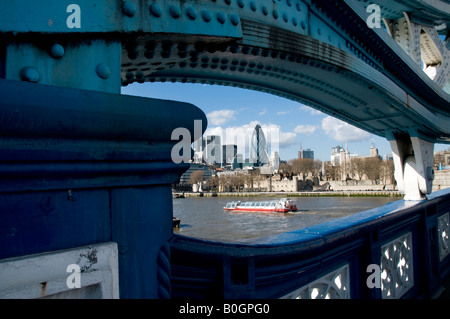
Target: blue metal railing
400, 250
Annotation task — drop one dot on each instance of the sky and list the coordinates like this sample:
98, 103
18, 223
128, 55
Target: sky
233, 113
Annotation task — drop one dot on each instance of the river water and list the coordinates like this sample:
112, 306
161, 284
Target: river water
205, 218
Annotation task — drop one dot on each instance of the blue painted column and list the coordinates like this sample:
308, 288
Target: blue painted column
81, 167
141, 225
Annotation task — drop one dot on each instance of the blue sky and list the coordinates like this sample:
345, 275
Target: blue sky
289, 124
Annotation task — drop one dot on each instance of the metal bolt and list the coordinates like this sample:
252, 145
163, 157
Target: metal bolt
129, 76
29, 74
234, 18
57, 51
175, 11
206, 15
191, 13
275, 14
140, 76
155, 10
264, 10
221, 17
103, 71
129, 9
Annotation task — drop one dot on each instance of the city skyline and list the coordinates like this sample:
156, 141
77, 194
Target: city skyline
288, 124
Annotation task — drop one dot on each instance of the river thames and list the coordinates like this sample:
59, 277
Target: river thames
205, 218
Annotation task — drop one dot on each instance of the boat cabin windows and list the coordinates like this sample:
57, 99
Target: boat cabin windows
232, 205
271, 205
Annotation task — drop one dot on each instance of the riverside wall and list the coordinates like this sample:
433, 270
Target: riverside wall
337, 188
441, 180
296, 194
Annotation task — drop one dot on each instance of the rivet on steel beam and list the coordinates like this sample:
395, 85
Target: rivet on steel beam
29, 74
253, 5
241, 3
129, 76
234, 49
275, 14
156, 10
103, 71
175, 11
140, 76
206, 15
129, 9
264, 10
234, 18
57, 51
221, 17
191, 13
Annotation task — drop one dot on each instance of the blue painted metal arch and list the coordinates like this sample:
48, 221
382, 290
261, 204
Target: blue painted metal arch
302, 64
321, 53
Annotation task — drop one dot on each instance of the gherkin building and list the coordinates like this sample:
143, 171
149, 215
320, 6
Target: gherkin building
258, 147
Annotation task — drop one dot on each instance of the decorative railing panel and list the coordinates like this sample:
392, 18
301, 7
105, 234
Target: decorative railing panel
397, 275
443, 233
334, 285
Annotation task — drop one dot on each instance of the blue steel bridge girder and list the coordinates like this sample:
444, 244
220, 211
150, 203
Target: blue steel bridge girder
429, 13
417, 33
320, 53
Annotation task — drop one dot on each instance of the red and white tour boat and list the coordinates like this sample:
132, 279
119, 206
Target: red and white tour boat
283, 205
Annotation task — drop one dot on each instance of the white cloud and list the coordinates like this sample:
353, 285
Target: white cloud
263, 112
241, 136
306, 129
220, 117
343, 132
310, 110
287, 139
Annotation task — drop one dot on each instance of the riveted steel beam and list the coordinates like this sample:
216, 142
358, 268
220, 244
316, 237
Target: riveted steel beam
103, 16
429, 13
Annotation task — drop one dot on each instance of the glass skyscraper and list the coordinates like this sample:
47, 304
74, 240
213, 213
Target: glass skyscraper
258, 147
